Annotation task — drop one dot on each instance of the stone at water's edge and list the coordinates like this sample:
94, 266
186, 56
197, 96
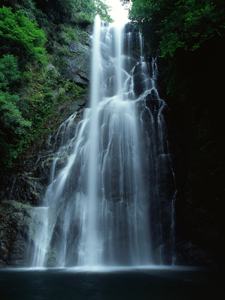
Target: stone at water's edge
15, 224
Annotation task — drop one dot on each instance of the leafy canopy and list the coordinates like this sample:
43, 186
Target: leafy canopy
76, 11
9, 71
179, 24
21, 36
22, 45
13, 128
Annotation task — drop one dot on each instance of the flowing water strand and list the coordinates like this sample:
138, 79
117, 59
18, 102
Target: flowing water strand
89, 234
12, 189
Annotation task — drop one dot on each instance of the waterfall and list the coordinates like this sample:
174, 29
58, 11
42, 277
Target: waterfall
112, 203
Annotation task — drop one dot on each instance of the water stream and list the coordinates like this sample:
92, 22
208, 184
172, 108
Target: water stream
112, 204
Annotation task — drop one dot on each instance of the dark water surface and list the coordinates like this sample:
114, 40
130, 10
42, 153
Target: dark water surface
154, 284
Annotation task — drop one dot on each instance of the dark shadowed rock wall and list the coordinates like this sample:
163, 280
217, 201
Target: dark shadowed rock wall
195, 124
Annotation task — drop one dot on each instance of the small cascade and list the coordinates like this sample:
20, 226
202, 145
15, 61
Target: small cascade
141, 46
110, 201
12, 190
154, 68
161, 178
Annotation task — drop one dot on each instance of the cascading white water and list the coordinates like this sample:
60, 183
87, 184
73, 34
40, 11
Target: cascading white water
104, 207
89, 238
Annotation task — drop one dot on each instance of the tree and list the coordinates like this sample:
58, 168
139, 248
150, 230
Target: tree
13, 129
9, 72
174, 24
65, 11
20, 36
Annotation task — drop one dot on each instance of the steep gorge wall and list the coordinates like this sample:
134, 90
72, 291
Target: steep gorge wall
25, 185
197, 145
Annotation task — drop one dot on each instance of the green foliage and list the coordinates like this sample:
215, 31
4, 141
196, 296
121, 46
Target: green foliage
23, 119
9, 72
76, 90
178, 24
61, 11
68, 34
101, 9
37, 106
13, 128
10, 112
190, 24
21, 36
75, 11
27, 99
21, 41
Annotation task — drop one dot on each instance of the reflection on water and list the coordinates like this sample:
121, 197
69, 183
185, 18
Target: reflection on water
126, 284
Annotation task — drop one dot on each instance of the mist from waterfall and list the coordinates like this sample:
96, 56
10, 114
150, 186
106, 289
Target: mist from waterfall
108, 206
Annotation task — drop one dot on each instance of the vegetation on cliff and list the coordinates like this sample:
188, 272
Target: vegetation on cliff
35, 34
170, 25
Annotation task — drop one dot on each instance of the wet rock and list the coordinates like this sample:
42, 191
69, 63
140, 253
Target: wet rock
50, 67
51, 262
141, 81
129, 64
79, 65
139, 86
15, 220
84, 36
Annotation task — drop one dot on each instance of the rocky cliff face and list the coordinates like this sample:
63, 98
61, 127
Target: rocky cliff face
25, 187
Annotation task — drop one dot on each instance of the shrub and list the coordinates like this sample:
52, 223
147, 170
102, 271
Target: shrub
20, 36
